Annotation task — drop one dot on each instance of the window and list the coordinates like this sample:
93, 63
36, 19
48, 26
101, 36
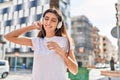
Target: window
33, 3
18, 7
2, 63
37, 17
5, 3
5, 10
1, 1
23, 20
28, 34
8, 22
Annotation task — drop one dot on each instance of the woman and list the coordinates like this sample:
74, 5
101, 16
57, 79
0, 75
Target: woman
53, 52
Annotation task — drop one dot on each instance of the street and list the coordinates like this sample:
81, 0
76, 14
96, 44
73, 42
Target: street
94, 74
19, 75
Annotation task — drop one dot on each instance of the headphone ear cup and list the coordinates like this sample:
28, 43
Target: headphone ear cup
59, 25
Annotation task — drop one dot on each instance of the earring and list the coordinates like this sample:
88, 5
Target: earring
59, 25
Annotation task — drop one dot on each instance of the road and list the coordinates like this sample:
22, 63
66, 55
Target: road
94, 74
19, 75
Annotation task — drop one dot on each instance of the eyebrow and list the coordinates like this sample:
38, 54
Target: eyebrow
52, 18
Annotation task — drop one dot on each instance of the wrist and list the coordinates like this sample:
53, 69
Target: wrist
65, 56
62, 53
37, 25
31, 27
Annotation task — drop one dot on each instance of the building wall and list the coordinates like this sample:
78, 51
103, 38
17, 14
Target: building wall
107, 50
82, 35
96, 40
64, 6
96, 44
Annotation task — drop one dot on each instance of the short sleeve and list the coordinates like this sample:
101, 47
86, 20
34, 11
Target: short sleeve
72, 46
68, 45
35, 42
66, 48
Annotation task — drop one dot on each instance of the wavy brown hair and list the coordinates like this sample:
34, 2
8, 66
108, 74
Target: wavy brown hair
59, 32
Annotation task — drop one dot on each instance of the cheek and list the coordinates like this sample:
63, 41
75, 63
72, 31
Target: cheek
55, 25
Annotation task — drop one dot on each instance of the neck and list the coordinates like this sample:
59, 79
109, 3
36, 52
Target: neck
50, 35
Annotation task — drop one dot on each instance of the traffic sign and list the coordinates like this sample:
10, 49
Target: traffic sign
114, 32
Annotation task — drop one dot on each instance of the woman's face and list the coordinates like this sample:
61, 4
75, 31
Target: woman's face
50, 22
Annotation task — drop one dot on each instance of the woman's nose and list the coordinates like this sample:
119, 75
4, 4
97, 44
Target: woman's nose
49, 22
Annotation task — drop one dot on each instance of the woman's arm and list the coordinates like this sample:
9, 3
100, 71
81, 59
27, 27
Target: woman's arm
14, 36
70, 61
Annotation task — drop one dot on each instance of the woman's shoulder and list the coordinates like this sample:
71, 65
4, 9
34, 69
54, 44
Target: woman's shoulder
37, 38
61, 38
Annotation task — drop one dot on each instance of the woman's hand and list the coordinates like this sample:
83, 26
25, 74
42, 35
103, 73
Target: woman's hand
37, 25
54, 46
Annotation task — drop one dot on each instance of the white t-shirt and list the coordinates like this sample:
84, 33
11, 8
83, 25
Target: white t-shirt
49, 65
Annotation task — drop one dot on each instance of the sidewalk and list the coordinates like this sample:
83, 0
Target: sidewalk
20, 74
112, 75
21, 71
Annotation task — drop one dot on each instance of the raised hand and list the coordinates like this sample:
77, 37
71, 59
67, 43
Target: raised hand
37, 25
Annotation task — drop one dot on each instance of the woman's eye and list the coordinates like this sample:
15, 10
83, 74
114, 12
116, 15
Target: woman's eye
46, 18
53, 21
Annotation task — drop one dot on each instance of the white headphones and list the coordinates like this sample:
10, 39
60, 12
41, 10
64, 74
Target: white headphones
59, 25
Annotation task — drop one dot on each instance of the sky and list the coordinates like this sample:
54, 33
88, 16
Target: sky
101, 14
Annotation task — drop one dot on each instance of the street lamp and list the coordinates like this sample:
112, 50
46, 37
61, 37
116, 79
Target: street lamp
15, 64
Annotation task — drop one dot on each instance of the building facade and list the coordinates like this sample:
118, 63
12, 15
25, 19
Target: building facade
16, 14
90, 46
107, 50
82, 31
96, 45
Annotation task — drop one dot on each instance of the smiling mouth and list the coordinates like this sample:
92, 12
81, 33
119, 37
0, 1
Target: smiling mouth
48, 26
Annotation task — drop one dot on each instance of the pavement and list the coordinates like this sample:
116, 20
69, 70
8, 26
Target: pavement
20, 74
26, 74
95, 74
21, 71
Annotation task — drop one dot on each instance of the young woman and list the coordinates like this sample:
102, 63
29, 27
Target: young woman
53, 49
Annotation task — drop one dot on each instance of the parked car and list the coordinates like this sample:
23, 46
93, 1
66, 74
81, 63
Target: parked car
102, 65
4, 68
116, 67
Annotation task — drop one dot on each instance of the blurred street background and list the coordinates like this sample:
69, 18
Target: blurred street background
93, 25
